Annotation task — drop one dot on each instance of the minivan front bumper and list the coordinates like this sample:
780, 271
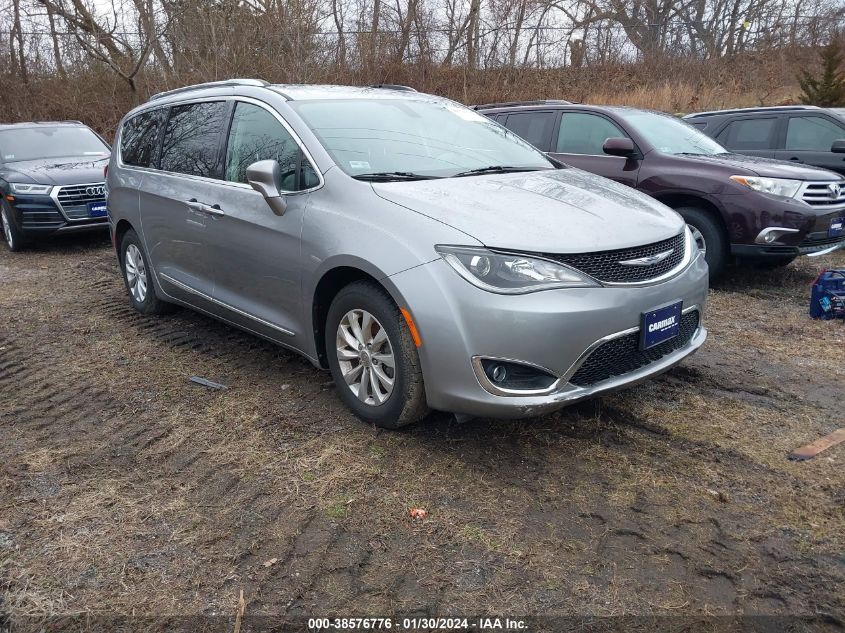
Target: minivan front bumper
554, 330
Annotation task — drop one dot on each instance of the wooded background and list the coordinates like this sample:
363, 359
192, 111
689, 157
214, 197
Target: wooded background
95, 59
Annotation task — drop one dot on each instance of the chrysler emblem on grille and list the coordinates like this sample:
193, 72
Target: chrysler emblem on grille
651, 260
835, 189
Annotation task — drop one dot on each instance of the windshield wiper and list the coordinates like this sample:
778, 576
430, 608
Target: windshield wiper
389, 176
494, 169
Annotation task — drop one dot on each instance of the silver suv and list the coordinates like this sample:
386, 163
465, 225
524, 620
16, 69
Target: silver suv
427, 256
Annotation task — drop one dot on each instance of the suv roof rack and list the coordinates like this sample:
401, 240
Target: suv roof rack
756, 109
399, 87
260, 83
510, 104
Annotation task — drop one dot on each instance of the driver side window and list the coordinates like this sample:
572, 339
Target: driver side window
258, 135
582, 133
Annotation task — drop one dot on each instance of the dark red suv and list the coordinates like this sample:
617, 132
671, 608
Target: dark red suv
740, 208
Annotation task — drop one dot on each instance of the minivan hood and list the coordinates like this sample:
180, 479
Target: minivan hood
766, 167
68, 170
555, 211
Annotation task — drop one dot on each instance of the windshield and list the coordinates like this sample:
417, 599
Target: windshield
670, 135
32, 143
427, 138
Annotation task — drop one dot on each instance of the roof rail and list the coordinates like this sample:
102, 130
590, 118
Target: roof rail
213, 84
510, 104
789, 108
399, 87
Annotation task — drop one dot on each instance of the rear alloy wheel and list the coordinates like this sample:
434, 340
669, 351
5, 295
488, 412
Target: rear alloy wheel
14, 240
372, 357
137, 277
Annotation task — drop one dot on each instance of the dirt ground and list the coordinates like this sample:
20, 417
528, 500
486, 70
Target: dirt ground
125, 489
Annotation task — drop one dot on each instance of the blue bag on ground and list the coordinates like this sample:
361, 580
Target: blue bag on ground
827, 297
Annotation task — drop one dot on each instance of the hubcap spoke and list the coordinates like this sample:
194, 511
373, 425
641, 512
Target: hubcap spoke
365, 356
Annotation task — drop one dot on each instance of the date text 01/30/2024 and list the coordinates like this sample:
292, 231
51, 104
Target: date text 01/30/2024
417, 624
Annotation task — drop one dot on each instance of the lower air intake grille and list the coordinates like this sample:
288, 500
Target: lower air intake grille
623, 355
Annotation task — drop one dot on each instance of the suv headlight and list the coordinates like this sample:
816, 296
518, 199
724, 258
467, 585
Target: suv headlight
776, 186
511, 273
23, 187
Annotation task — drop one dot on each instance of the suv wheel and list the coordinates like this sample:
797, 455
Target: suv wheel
372, 357
13, 237
708, 236
137, 276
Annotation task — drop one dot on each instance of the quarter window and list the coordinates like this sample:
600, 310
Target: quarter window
813, 133
748, 134
191, 139
258, 135
534, 127
582, 133
139, 139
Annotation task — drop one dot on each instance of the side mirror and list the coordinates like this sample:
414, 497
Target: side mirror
838, 147
619, 146
265, 176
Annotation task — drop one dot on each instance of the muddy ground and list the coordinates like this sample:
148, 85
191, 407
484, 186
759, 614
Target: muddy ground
125, 489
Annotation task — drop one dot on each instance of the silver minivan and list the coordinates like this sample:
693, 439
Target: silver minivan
427, 256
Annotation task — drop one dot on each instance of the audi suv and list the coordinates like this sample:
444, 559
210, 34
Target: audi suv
426, 256
51, 180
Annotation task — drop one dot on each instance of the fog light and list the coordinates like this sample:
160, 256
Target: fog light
770, 237
515, 376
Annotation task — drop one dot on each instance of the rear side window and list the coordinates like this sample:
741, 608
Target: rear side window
812, 133
748, 134
139, 138
191, 139
534, 127
258, 135
582, 133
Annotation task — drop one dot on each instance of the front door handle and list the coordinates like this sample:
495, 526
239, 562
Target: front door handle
795, 159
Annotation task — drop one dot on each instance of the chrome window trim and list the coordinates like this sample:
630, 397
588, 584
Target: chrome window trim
562, 380
198, 293
220, 181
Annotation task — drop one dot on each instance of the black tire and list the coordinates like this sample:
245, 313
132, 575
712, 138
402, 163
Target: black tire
150, 303
711, 230
14, 239
406, 402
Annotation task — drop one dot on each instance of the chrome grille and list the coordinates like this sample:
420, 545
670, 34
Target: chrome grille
821, 194
623, 355
605, 265
74, 199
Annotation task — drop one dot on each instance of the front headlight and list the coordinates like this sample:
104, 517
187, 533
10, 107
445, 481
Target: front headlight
511, 273
23, 187
775, 186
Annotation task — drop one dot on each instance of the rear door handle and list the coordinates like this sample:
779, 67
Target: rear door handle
214, 210
795, 159
194, 205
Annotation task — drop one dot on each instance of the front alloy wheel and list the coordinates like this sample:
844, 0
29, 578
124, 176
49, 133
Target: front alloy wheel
699, 240
10, 232
365, 356
373, 357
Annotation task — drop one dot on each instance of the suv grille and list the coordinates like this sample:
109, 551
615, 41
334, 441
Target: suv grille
623, 355
821, 194
605, 266
74, 199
